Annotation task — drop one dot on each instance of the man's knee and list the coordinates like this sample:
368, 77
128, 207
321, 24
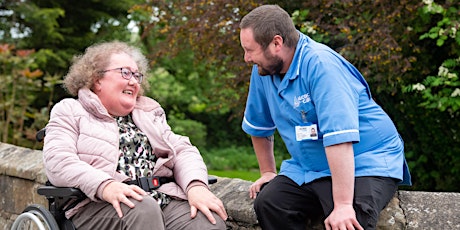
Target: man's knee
366, 213
263, 200
372, 194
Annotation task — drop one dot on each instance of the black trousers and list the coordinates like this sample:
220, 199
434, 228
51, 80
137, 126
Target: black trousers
282, 204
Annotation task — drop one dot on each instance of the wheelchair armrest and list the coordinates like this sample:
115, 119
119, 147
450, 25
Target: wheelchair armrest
52, 191
40, 135
212, 179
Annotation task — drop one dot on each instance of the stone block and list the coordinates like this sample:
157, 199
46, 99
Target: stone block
21, 162
431, 210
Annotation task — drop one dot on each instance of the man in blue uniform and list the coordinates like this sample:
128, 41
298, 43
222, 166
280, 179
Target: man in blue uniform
349, 167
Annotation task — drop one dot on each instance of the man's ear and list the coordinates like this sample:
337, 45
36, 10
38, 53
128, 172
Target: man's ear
278, 41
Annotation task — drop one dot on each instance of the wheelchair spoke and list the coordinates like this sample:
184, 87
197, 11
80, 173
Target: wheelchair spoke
30, 221
35, 217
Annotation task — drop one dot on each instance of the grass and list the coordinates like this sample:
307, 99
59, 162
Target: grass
251, 175
233, 162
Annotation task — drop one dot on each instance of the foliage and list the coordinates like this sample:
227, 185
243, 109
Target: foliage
64, 28
195, 130
443, 90
300, 19
180, 90
209, 31
179, 87
436, 156
39, 37
21, 84
371, 35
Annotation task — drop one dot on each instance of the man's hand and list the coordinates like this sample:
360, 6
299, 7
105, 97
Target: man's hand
200, 198
117, 192
342, 218
255, 187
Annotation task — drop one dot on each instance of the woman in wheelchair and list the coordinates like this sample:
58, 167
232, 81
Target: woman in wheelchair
115, 145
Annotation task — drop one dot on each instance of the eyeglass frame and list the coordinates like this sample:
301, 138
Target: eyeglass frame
137, 75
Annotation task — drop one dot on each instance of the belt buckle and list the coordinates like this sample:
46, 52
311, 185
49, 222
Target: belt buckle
154, 182
143, 182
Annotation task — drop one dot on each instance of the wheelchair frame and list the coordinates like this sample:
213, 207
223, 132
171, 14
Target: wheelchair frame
60, 199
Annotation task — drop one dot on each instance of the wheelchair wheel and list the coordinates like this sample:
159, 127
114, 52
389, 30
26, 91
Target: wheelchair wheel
35, 217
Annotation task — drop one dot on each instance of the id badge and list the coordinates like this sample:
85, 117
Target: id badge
308, 131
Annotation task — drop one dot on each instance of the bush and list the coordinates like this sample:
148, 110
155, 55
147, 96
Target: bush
195, 130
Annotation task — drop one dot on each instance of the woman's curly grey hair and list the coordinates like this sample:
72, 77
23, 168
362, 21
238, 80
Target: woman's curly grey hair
86, 67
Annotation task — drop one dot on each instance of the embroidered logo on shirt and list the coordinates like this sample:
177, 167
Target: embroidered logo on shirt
301, 99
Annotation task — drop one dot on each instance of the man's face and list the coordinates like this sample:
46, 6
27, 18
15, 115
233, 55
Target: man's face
267, 62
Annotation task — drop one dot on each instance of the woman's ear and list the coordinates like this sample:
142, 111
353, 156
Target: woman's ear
97, 86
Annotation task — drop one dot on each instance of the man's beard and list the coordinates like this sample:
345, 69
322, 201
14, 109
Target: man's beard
273, 68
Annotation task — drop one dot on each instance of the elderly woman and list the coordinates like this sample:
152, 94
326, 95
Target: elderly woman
110, 136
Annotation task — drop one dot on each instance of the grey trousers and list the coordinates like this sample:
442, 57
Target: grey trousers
145, 215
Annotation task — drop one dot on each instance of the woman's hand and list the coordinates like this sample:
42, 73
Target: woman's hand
255, 187
200, 198
117, 192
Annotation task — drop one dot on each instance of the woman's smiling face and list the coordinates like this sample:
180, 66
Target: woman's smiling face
117, 94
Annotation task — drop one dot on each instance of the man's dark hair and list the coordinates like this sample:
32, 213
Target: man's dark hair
269, 20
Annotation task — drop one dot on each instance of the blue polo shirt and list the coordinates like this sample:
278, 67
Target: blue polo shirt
323, 90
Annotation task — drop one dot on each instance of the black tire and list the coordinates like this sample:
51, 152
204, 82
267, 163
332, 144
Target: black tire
43, 215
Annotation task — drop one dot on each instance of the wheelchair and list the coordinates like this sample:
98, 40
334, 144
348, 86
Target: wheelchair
60, 199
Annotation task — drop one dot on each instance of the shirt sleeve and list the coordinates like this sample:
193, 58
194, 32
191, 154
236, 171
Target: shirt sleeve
257, 119
336, 98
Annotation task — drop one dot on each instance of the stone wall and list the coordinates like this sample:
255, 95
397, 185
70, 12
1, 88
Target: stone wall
21, 173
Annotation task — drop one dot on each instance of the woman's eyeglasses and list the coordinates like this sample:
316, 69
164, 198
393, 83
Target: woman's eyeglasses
127, 74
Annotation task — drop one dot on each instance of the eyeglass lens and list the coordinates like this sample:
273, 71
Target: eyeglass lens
127, 74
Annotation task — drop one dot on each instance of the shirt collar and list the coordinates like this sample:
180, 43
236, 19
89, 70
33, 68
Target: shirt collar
294, 69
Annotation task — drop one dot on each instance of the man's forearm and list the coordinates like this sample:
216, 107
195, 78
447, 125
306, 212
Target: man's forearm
341, 163
263, 147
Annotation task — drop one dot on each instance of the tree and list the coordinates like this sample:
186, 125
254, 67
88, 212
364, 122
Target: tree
39, 38
208, 31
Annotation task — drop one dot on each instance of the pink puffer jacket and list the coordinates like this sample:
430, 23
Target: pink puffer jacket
82, 141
